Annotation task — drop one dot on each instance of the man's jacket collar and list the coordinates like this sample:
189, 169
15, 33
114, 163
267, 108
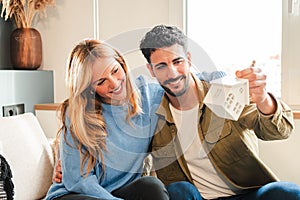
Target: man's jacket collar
163, 109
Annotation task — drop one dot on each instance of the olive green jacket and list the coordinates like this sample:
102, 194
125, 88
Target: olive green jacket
232, 146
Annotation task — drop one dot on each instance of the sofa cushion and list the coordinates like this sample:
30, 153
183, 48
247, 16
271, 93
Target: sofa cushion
29, 154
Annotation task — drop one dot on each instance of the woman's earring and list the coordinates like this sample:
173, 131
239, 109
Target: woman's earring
92, 92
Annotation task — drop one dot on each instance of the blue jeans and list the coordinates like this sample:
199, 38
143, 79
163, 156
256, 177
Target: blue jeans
272, 191
183, 190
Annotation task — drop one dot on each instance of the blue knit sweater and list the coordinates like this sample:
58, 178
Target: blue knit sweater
127, 145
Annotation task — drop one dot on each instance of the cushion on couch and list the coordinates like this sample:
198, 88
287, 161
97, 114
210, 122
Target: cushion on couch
29, 155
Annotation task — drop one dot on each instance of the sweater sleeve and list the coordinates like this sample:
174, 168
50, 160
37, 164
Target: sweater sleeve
150, 91
72, 178
209, 76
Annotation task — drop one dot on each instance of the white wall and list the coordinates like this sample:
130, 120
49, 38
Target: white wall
283, 156
65, 25
71, 21
123, 24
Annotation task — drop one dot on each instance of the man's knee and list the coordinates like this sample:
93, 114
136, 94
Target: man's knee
183, 190
278, 190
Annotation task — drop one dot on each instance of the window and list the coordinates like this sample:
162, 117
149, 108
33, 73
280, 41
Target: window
234, 32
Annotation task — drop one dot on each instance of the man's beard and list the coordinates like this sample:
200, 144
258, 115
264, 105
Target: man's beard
180, 93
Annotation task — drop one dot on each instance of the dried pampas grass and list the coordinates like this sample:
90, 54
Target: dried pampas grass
24, 11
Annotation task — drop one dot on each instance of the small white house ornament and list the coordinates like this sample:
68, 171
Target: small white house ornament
227, 97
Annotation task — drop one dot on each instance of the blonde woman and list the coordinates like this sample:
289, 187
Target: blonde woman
106, 129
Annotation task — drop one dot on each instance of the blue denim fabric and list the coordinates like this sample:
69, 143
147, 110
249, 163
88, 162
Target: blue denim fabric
183, 190
271, 191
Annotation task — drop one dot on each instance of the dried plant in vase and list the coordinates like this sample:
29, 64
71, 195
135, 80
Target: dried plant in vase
24, 11
25, 41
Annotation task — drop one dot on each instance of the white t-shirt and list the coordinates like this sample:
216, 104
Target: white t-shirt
206, 178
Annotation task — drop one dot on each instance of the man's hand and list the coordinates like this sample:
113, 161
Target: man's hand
57, 176
257, 89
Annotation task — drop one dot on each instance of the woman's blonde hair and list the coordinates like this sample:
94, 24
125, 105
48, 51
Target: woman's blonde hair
83, 107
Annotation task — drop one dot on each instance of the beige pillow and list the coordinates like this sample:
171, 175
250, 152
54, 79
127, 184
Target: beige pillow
29, 155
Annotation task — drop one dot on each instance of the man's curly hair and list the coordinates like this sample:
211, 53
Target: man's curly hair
162, 36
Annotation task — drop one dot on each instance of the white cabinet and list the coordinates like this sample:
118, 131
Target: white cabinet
28, 87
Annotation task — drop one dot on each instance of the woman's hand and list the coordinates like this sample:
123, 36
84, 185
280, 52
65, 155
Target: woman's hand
57, 175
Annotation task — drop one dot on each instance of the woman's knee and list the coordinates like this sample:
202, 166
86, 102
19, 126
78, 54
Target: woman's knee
153, 187
152, 183
74, 196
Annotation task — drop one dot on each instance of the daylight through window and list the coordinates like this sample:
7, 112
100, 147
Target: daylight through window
235, 32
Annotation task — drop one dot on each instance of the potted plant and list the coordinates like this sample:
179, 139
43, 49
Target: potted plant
25, 41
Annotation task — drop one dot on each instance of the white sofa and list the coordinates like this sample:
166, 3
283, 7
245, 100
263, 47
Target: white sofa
29, 154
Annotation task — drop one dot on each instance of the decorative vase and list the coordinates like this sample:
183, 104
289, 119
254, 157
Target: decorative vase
26, 49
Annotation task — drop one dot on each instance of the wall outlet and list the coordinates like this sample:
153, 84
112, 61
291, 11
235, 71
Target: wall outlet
11, 110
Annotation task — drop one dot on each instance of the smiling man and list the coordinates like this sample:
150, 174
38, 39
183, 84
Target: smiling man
193, 148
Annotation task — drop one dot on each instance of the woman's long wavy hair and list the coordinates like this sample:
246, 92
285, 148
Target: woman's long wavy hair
83, 107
